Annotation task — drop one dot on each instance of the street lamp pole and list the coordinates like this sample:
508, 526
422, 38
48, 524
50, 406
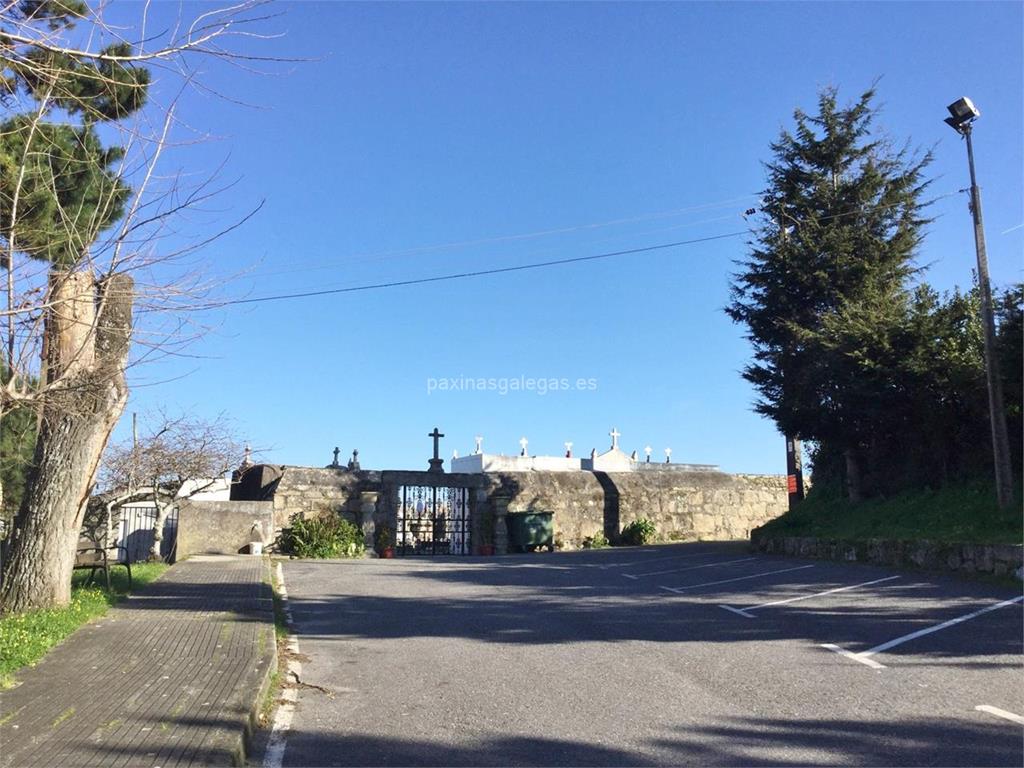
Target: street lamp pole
963, 115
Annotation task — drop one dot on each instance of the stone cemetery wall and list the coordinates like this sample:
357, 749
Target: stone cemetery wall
310, 492
222, 527
685, 506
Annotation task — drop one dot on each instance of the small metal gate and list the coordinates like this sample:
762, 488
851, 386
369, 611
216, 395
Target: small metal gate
136, 534
432, 520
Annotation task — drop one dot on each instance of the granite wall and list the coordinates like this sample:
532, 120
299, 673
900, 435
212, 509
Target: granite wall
222, 527
685, 506
992, 559
310, 491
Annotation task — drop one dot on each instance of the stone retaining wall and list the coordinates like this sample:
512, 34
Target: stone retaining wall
222, 527
994, 559
685, 506
310, 492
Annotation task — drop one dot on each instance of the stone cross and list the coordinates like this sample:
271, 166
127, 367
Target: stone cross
615, 435
336, 452
647, 450
523, 442
437, 435
479, 443
668, 455
436, 462
568, 450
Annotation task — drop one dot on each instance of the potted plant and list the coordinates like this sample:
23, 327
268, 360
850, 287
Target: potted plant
383, 541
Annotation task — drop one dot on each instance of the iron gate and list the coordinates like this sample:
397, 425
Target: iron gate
136, 534
432, 520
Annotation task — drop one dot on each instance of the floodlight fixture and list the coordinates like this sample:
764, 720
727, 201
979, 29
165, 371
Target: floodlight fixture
962, 113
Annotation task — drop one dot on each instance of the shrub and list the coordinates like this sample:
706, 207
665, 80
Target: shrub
322, 537
597, 541
640, 531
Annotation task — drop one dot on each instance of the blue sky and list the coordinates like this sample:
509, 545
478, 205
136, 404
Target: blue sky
530, 132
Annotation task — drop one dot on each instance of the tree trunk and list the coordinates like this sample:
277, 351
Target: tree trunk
854, 486
162, 511
89, 334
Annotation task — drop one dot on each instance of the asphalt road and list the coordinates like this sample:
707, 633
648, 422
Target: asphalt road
628, 657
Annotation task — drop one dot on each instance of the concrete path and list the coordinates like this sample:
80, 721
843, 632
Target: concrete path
169, 677
696, 654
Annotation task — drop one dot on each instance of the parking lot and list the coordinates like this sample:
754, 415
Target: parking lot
671, 655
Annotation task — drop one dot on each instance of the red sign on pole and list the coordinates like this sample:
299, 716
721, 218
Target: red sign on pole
791, 483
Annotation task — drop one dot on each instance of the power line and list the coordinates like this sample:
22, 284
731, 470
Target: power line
518, 268
462, 275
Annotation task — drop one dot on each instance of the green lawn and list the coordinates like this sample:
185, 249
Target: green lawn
962, 513
25, 638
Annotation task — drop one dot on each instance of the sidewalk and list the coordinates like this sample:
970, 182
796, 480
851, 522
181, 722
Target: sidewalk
167, 678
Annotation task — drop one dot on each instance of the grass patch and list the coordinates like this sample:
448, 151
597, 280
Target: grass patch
26, 637
964, 513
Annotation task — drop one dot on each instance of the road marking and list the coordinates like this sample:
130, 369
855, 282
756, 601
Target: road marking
1001, 713
855, 656
937, 627
278, 740
743, 612
863, 656
655, 560
690, 568
680, 590
740, 611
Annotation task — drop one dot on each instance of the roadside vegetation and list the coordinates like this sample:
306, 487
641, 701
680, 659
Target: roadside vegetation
965, 513
322, 537
26, 637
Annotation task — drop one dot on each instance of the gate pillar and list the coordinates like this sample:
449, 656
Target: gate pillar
500, 524
367, 506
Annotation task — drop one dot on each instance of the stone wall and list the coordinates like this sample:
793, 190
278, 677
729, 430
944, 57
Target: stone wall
309, 492
222, 527
994, 559
685, 506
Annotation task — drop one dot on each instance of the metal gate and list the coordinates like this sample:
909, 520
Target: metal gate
136, 534
432, 521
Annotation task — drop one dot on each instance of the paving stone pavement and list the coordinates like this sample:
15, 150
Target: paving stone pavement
169, 677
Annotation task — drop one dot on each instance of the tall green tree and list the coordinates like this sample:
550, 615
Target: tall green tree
823, 290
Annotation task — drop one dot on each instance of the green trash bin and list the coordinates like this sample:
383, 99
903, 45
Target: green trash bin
529, 530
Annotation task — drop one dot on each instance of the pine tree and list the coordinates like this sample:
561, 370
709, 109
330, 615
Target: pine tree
823, 291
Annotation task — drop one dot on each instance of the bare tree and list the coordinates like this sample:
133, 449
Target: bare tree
87, 242
179, 458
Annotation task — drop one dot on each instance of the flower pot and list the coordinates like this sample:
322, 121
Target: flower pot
387, 553
486, 549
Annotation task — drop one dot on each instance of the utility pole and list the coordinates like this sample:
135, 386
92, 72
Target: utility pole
963, 114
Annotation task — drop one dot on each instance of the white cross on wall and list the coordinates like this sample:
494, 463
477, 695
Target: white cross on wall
615, 434
523, 442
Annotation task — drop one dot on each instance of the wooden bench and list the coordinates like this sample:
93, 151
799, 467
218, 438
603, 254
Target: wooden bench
93, 556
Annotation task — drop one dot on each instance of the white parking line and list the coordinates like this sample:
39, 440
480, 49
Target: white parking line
680, 590
689, 568
688, 556
1001, 713
864, 656
745, 611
